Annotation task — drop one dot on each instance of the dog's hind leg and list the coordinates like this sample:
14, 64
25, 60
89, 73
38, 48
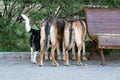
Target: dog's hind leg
83, 25
31, 48
40, 59
67, 43
78, 40
66, 58
58, 52
46, 52
42, 40
78, 55
52, 56
73, 52
79, 46
84, 55
53, 35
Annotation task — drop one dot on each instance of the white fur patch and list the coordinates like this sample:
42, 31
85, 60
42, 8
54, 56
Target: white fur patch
27, 24
34, 57
31, 48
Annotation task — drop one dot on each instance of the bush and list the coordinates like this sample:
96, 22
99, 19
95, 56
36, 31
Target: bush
13, 38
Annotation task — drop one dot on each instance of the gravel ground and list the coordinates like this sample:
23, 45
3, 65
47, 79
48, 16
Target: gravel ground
23, 69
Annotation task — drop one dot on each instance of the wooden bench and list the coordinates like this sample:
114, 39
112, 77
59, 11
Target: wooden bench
103, 25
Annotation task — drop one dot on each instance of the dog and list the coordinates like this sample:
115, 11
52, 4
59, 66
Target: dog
35, 41
74, 32
52, 29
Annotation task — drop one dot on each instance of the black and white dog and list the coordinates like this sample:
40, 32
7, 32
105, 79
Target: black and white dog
34, 38
35, 41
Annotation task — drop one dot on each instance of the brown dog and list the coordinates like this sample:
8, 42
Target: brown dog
52, 29
75, 31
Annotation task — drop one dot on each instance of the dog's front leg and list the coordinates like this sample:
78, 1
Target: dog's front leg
63, 51
34, 56
84, 55
46, 55
73, 52
58, 52
31, 54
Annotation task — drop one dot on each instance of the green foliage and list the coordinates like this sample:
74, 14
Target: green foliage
88, 46
13, 36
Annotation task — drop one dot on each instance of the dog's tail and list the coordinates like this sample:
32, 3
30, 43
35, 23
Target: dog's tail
27, 22
47, 32
70, 33
70, 36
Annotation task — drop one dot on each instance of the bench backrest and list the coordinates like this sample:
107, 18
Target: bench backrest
102, 21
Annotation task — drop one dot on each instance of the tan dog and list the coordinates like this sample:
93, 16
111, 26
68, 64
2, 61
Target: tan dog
52, 29
74, 32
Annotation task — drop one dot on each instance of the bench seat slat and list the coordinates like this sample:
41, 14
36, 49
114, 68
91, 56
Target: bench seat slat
109, 42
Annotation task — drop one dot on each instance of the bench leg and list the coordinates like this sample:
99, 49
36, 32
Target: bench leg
102, 57
91, 57
94, 48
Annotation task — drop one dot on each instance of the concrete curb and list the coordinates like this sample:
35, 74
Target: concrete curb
14, 55
26, 55
18, 55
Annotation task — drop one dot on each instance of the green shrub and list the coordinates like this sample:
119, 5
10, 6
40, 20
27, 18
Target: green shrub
13, 38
